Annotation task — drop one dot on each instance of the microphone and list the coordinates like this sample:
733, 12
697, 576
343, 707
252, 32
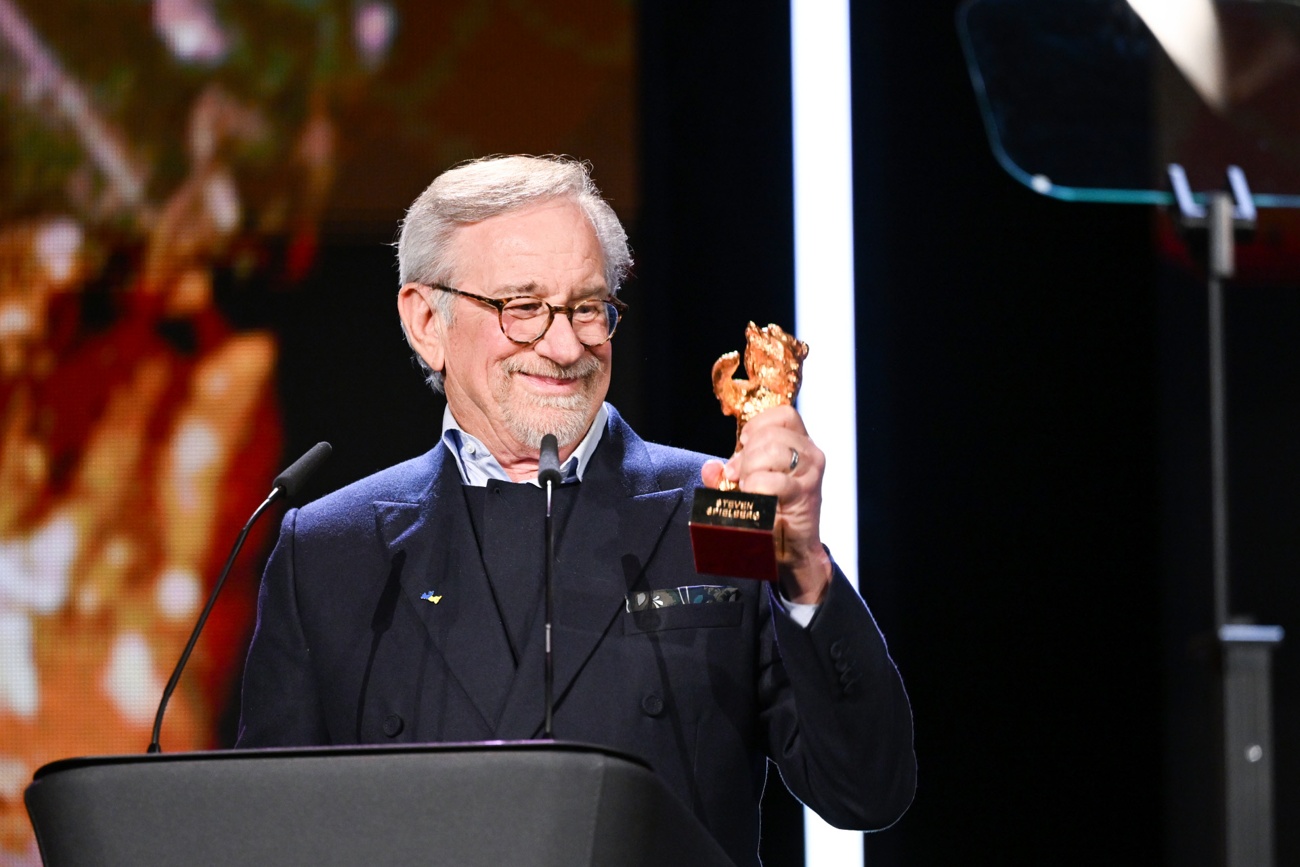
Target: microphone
548, 475
286, 484
548, 465
291, 480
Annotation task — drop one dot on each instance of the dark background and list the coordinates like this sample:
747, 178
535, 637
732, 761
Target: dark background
1032, 427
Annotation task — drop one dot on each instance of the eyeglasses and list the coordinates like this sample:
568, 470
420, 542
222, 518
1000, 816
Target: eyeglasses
525, 319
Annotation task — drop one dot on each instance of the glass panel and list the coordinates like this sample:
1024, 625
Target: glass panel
1082, 101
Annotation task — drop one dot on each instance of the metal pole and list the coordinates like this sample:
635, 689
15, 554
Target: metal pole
1221, 267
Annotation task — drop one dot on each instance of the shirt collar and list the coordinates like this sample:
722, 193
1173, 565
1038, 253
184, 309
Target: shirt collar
477, 465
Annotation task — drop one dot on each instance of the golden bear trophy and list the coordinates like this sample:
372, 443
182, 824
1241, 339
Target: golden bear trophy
731, 530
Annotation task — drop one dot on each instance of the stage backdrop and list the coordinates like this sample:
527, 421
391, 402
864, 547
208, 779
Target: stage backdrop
184, 186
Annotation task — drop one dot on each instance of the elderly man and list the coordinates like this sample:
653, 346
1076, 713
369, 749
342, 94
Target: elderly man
405, 607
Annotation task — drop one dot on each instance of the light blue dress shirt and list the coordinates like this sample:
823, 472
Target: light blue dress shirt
477, 465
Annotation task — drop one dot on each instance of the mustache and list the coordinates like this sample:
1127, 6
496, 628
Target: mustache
580, 369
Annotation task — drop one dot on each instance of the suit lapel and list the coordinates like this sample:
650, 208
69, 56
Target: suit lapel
442, 559
612, 533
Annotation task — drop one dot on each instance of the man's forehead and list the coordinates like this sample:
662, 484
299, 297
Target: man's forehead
546, 250
532, 288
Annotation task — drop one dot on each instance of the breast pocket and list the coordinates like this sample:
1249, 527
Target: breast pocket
712, 614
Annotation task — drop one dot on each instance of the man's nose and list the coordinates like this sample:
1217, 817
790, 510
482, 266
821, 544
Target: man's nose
559, 343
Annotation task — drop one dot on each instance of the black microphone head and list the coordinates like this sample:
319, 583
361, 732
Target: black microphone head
548, 464
291, 480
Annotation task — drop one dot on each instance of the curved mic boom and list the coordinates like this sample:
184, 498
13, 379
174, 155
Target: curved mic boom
286, 484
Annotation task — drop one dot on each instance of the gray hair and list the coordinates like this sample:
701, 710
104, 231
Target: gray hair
476, 190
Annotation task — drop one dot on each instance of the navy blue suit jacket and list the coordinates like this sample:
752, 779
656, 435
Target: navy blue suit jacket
347, 652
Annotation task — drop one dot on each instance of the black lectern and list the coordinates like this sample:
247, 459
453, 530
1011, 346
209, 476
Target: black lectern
522, 804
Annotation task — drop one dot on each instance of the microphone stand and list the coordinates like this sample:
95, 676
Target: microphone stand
548, 474
549, 731
285, 485
154, 745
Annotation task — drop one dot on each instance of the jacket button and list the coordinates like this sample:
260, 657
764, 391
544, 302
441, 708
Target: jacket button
842, 665
652, 704
837, 648
393, 725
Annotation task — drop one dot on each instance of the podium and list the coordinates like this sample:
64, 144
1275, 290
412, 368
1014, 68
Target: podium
532, 804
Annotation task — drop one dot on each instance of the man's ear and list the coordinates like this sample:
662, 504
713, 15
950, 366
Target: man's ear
423, 324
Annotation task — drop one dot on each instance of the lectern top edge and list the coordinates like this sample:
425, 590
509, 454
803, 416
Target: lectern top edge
333, 752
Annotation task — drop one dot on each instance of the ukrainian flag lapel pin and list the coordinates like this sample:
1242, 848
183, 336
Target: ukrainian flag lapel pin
430, 596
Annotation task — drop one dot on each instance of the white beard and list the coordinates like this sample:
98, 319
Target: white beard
529, 417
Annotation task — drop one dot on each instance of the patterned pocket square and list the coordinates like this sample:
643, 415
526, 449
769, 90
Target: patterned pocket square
693, 594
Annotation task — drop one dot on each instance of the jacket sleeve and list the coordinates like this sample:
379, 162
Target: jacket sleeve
280, 704
836, 716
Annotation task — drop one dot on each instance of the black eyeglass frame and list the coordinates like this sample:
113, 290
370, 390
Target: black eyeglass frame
499, 304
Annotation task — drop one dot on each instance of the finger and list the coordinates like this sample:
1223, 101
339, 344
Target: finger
776, 484
712, 473
779, 450
777, 418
